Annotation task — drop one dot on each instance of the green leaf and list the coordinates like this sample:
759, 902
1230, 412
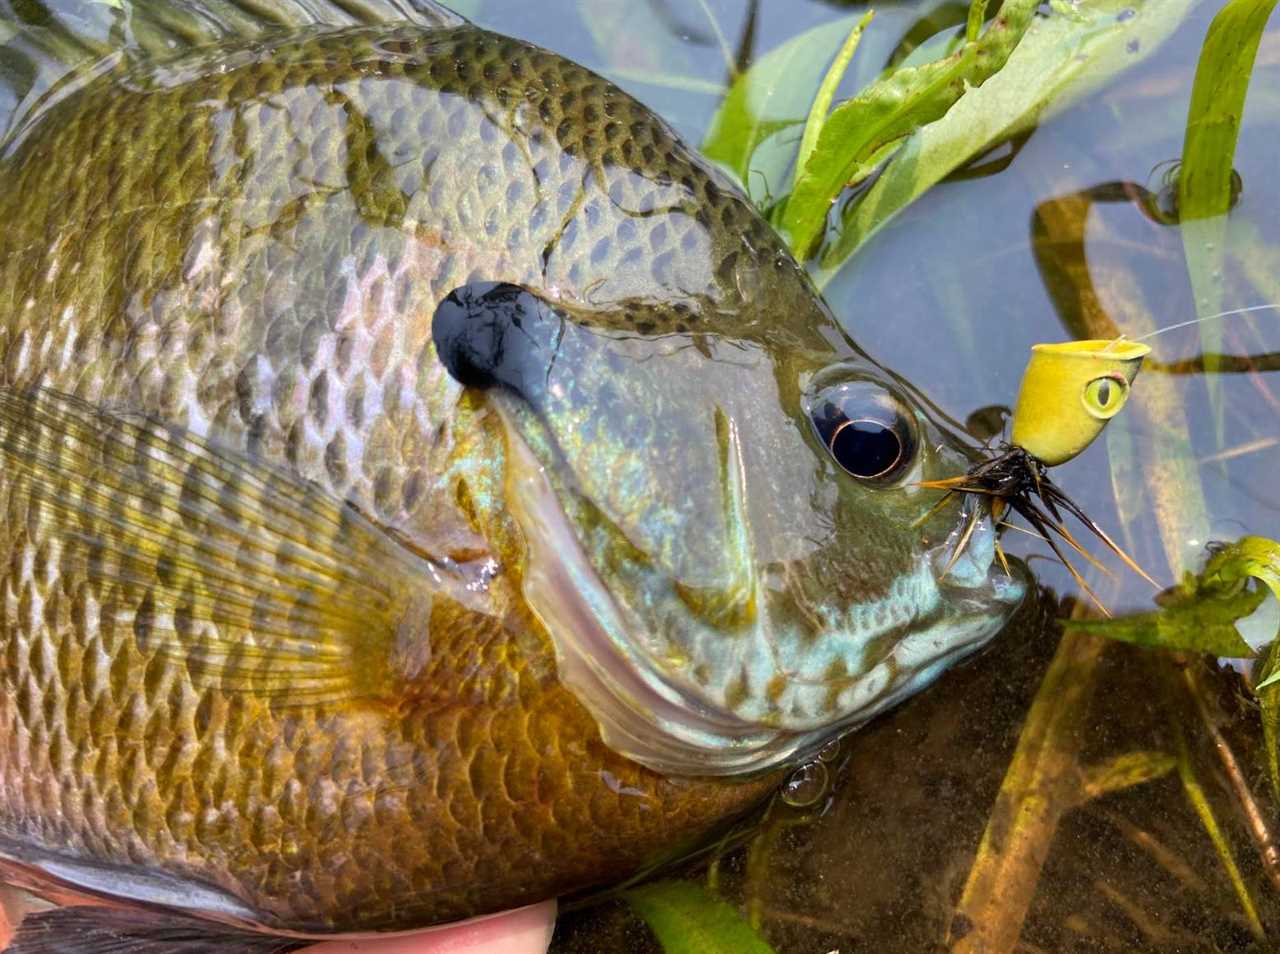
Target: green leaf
1272, 677
688, 919
1257, 558
1217, 106
859, 130
1061, 58
1249, 558
771, 97
977, 16
1208, 152
827, 91
1200, 615
1201, 623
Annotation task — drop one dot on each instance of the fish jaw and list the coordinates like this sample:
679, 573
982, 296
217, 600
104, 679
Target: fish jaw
668, 725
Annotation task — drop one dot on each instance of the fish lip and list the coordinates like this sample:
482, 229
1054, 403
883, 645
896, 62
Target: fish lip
974, 575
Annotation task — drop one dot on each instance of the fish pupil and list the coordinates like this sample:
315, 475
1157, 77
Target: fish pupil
864, 429
865, 448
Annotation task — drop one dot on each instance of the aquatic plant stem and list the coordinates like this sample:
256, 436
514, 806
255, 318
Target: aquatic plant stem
1200, 802
777, 819
1254, 818
1155, 933
1041, 785
1159, 852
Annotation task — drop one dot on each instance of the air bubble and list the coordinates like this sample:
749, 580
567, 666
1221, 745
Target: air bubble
806, 786
829, 752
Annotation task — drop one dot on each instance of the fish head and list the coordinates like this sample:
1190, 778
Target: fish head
726, 538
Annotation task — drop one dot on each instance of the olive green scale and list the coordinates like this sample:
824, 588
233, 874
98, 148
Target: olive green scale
219, 272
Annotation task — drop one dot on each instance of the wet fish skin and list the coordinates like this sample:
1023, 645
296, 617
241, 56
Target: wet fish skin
232, 243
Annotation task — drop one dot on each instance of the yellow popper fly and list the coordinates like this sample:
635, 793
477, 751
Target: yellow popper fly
1069, 392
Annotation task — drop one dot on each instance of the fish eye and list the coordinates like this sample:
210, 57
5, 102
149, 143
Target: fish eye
1103, 397
865, 429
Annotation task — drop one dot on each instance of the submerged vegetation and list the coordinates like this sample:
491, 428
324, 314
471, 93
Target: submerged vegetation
959, 97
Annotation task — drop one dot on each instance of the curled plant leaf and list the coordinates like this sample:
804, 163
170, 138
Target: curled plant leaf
688, 919
1061, 58
1257, 558
1249, 558
1203, 613
861, 132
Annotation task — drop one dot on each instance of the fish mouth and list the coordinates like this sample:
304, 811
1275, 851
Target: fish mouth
965, 563
652, 717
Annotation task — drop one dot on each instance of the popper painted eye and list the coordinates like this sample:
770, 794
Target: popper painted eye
1103, 397
865, 430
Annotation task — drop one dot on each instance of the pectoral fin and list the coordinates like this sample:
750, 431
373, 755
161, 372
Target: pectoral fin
109, 930
253, 579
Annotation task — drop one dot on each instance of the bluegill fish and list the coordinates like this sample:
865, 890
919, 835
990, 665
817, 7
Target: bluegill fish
428, 486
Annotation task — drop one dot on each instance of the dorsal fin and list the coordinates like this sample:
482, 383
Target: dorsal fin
251, 578
44, 43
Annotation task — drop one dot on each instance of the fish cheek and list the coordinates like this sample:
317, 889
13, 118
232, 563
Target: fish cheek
872, 545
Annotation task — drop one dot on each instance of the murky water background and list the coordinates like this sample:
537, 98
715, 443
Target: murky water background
1053, 794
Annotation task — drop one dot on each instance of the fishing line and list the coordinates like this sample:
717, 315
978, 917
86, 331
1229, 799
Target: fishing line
1232, 313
